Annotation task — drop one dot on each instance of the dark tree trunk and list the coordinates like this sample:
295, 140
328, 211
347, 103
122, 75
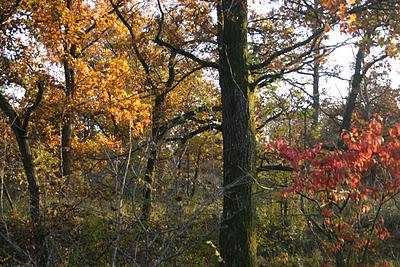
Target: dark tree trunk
152, 159
237, 239
340, 262
354, 92
66, 137
34, 195
66, 131
316, 76
367, 102
19, 128
148, 178
315, 96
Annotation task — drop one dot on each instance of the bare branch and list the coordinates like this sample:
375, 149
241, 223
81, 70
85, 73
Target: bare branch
274, 168
285, 50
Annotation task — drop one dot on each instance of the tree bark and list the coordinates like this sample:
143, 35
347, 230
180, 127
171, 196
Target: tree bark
354, 91
19, 127
237, 238
34, 194
66, 131
148, 178
152, 159
316, 76
316, 104
367, 102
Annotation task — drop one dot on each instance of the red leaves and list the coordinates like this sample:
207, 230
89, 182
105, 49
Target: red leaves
364, 175
329, 170
392, 133
395, 132
327, 213
382, 231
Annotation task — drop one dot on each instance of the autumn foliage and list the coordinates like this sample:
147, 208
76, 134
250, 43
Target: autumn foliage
134, 132
348, 188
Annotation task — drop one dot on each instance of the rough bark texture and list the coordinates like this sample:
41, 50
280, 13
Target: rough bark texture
237, 239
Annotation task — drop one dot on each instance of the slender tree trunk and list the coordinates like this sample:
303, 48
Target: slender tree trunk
315, 104
354, 92
152, 159
148, 178
66, 131
237, 238
315, 96
316, 67
34, 194
20, 131
2, 187
367, 102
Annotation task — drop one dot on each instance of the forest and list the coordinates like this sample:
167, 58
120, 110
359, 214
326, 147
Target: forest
227, 133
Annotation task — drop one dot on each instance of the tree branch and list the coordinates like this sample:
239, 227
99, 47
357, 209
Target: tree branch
31, 108
182, 118
274, 168
158, 40
285, 50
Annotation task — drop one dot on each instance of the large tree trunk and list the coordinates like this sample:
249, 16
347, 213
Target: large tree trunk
237, 239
